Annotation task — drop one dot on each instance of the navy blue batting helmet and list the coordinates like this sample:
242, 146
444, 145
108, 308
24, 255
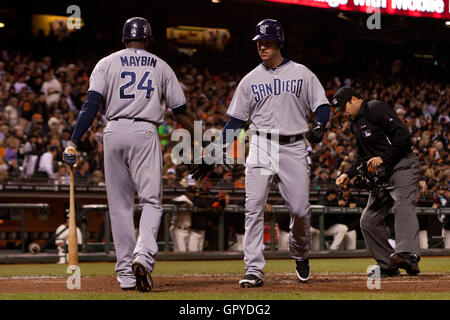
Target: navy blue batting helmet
136, 29
269, 29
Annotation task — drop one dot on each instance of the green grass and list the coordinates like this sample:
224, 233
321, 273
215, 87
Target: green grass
236, 267
87, 269
231, 267
230, 296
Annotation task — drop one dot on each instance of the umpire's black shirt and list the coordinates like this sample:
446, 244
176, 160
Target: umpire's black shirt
379, 133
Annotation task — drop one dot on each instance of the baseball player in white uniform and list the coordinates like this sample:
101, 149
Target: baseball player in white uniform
181, 220
137, 86
62, 235
277, 97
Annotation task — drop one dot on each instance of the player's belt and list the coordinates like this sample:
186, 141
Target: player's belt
281, 139
135, 119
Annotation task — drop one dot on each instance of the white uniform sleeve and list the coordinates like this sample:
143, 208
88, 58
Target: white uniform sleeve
173, 93
57, 86
315, 94
44, 88
46, 164
64, 235
97, 81
79, 236
239, 106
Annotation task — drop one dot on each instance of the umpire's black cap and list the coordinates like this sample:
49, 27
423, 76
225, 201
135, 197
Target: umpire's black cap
342, 96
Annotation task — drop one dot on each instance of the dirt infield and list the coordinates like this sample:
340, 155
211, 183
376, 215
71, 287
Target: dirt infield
427, 282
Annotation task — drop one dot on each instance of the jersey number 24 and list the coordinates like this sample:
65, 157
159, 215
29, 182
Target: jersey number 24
141, 84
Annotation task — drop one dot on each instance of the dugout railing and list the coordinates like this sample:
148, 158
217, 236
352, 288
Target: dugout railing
169, 209
21, 207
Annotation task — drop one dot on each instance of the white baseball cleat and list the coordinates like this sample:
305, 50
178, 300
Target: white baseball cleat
303, 270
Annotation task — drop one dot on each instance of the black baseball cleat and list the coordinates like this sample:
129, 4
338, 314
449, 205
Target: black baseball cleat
251, 281
144, 282
407, 261
389, 273
303, 270
384, 273
129, 288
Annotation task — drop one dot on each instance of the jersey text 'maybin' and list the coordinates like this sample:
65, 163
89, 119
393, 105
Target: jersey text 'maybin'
138, 61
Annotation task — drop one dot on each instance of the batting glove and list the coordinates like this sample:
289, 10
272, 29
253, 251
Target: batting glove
215, 155
315, 134
70, 154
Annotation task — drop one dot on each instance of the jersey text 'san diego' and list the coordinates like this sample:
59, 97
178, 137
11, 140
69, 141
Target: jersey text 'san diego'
279, 98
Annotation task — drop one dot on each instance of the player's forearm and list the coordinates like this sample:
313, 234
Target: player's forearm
352, 171
233, 124
185, 117
86, 115
323, 114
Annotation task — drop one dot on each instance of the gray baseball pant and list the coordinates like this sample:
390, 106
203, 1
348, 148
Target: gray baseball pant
401, 195
133, 163
293, 172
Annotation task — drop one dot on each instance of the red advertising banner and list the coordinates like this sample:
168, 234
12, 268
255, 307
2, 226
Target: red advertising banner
439, 9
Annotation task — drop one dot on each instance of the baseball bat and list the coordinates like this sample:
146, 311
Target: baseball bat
72, 241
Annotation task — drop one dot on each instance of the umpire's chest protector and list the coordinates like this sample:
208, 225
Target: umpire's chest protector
372, 136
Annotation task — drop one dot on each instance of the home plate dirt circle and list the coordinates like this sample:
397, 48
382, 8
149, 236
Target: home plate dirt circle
286, 282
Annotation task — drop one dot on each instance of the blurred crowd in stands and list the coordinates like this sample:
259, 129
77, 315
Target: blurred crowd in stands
40, 98
40, 101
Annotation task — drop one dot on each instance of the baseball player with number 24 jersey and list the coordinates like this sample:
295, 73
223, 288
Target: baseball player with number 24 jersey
138, 86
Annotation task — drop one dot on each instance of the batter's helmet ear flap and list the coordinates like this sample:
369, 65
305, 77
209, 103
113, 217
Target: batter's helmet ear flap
148, 42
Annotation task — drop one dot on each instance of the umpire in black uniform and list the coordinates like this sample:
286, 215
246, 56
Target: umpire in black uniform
384, 143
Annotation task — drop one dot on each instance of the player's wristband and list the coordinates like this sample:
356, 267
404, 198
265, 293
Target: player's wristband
323, 114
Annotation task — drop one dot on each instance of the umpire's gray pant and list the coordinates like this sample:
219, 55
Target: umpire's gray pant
401, 194
133, 163
289, 162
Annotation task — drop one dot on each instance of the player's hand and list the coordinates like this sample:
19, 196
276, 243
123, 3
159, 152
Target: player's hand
215, 155
342, 180
70, 154
374, 163
201, 170
315, 134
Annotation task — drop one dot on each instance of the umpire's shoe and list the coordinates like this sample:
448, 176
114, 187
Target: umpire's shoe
303, 270
384, 273
251, 281
144, 282
129, 288
407, 261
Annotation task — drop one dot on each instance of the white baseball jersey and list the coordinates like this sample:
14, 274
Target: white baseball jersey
279, 98
64, 235
136, 84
